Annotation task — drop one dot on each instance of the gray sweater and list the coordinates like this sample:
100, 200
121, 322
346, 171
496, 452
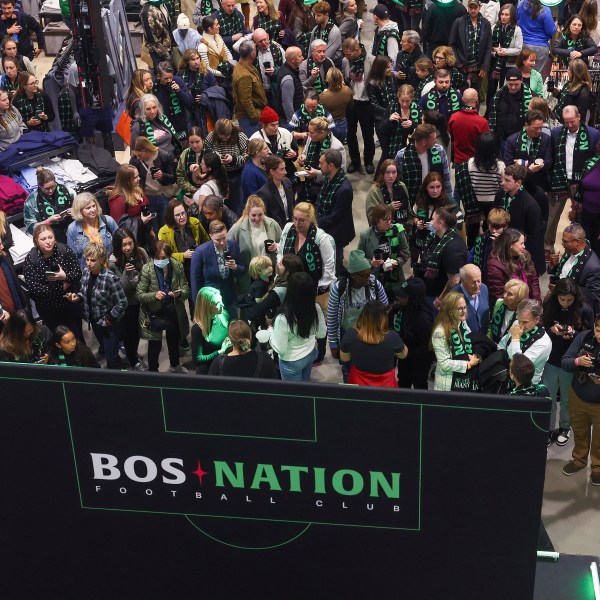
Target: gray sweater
587, 390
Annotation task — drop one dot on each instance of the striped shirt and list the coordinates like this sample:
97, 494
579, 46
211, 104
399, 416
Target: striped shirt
485, 184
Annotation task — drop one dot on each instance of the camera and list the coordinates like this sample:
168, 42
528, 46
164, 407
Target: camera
589, 349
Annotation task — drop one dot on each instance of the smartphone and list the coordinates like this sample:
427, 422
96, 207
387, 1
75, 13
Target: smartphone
64, 213
267, 64
51, 273
177, 290
227, 256
154, 170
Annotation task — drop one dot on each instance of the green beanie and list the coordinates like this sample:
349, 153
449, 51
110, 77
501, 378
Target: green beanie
357, 262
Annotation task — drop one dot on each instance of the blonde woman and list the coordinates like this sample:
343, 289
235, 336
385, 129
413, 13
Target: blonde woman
209, 331
252, 232
89, 225
254, 175
451, 341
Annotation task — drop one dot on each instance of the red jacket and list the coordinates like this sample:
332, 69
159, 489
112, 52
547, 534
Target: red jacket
465, 126
118, 209
497, 276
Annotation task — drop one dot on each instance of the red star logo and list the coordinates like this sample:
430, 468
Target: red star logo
200, 472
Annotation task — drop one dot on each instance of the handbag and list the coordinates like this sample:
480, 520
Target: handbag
164, 319
123, 126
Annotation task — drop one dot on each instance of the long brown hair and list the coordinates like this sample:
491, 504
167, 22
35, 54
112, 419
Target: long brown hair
124, 185
502, 251
373, 324
423, 197
579, 75
12, 338
187, 56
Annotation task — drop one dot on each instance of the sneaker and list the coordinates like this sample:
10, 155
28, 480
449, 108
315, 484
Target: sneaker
571, 468
595, 478
140, 366
550, 438
563, 437
178, 369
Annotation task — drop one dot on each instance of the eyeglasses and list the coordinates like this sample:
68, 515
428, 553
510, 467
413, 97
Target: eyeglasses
33, 82
461, 309
179, 215
49, 188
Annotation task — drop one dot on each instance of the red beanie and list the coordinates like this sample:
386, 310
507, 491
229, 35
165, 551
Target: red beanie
268, 115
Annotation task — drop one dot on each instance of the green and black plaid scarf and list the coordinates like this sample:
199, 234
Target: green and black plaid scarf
391, 237
357, 66
473, 38
497, 320
424, 82
31, 108
328, 190
527, 95
380, 41
461, 347
590, 165
318, 82
573, 46
537, 390
310, 250
398, 134
399, 195
230, 24
507, 200
313, 153
206, 8
305, 118
412, 168
562, 101
525, 148
577, 267
432, 101
271, 26
433, 254
275, 53
457, 80
323, 34
581, 152
196, 87
191, 159
464, 191
531, 337
52, 205
388, 91
7, 85
501, 37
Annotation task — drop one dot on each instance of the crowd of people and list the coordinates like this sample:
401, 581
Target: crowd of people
227, 232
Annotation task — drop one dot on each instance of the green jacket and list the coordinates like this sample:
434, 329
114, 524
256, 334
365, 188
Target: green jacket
147, 288
167, 234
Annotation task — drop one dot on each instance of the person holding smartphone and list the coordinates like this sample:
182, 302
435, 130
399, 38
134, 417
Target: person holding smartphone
34, 104
583, 359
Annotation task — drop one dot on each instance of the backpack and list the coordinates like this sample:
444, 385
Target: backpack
12, 196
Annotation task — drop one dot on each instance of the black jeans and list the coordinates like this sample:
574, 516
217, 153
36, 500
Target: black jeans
130, 333
591, 224
361, 113
155, 346
383, 135
70, 316
414, 370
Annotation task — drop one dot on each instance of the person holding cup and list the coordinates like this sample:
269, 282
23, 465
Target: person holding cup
256, 235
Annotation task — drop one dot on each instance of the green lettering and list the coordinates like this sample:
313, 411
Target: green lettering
294, 476
222, 470
378, 480
265, 474
319, 480
338, 482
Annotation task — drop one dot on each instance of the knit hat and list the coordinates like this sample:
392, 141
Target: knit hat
514, 73
411, 288
183, 22
268, 115
357, 262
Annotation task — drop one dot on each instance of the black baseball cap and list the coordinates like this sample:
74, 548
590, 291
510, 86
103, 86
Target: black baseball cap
514, 73
381, 11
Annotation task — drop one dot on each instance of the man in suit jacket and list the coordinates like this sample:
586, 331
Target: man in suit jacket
580, 263
476, 296
573, 144
334, 204
473, 59
206, 271
270, 191
532, 148
248, 90
525, 213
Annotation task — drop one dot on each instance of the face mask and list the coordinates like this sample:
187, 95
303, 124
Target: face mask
161, 264
430, 227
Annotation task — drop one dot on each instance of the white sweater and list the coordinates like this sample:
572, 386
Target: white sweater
289, 345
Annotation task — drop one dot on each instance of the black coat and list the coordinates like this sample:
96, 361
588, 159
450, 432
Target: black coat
526, 216
458, 41
339, 223
164, 161
377, 99
272, 199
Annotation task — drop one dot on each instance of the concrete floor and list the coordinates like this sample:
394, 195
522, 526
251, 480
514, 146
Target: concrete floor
570, 508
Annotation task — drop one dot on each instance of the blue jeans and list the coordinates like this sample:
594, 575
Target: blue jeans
297, 370
341, 130
248, 126
554, 378
110, 342
158, 205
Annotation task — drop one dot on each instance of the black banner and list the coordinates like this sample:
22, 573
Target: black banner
176, 487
